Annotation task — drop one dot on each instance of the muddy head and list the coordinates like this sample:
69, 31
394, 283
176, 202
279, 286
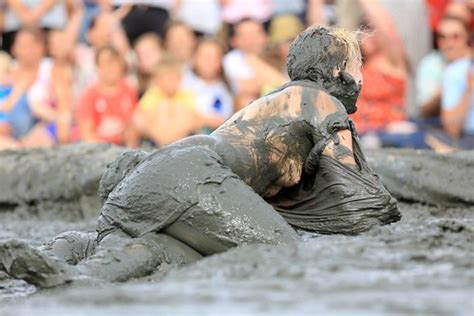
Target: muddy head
331, 58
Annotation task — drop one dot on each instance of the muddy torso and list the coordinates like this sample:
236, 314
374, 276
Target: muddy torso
267, 142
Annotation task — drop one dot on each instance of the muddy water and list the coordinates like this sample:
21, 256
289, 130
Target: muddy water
421, 265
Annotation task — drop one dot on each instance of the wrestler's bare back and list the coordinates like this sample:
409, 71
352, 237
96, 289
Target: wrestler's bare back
274, 135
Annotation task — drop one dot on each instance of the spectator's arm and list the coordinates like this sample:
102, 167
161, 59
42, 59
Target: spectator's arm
104, 5
19, 88
385, 31
64, 100
453, 116
86, 118
30, 16
2, 18
74, 25
431, 107
315, 13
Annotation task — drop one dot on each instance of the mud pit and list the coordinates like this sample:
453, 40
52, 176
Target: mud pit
422, 264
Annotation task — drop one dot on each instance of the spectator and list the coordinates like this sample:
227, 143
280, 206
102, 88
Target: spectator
180, 41
167, 112
27, 107
49, 14
106, 107
246, 71
451, 38
148, 49
457, 105
381, 104
207, 83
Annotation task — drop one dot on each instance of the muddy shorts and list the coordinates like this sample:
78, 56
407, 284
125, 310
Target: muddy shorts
189, 194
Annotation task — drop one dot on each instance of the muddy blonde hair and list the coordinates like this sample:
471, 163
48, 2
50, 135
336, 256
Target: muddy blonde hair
350, 43
318, 52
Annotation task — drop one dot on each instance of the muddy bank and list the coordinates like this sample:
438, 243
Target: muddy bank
420, 265
61, 181
427, 177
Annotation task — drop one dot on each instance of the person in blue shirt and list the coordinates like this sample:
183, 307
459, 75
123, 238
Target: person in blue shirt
457, 103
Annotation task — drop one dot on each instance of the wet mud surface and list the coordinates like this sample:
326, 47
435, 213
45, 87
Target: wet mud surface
423, 264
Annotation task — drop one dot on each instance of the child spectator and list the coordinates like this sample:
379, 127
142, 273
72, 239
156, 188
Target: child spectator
180, 41
207, 82
246, 71
167, 112
106, 107
148, 51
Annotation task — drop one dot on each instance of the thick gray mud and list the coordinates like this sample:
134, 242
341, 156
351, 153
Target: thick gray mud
59, 182
423, 264
426, 177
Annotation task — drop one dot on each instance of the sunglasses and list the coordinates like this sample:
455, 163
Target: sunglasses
453, 36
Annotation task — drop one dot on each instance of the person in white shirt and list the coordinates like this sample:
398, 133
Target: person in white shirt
206, 81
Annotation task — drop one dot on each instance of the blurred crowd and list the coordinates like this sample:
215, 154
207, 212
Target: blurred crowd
135, 72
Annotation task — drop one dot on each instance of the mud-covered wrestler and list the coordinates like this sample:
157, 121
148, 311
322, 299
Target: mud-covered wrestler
288, 160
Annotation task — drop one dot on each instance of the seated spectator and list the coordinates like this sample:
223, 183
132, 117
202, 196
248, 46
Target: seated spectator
180, 41
380, 118
207, 83
451, 38
27, 107
246, 71
457, 104
166, 112
148, 51
106, 107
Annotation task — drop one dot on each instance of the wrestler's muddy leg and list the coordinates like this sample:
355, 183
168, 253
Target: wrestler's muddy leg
71, 247
118, 257
229, 214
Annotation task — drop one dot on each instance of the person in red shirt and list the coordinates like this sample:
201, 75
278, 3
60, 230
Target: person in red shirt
105, 108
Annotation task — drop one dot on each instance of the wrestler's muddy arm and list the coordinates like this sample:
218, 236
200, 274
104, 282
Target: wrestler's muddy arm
338, 191
330, 133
